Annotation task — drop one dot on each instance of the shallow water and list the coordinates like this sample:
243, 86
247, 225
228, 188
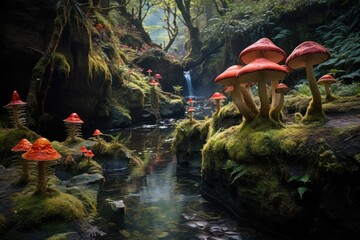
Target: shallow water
161, 202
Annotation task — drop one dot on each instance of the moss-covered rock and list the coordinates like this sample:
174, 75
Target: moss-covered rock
36, 210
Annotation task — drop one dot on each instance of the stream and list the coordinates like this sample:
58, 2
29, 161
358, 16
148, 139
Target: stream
161, 201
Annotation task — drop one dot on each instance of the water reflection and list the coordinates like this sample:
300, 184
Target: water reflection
161, 203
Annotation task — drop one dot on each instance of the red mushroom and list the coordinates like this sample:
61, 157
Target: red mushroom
23, 146
154, 83
229, 78
89, 154
97, 134
16, 108
264, 48
190, 101
261, 70
41, 151
83, 150
217, 97
281, 88
157, 76
327, 80
73, 124
306, 55
191, 111
149, 71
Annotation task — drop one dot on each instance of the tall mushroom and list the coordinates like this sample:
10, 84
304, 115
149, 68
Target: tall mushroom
16, 108
261, 70
23, 146
190, 101
73, 124
217, 97
264, 48
229, 78
327, 80
308, 54
149, 71
281, 88
41, 151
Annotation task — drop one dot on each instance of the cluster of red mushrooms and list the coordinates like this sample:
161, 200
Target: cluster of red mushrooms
262, 60
154, 81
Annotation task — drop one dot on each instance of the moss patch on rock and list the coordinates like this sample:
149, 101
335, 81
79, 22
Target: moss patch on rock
36, 210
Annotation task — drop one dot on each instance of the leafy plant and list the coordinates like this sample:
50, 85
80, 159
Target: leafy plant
236, 170
303, 180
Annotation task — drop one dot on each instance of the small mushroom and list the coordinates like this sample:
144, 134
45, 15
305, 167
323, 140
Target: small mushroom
157, 76
308, 54
218, 98
191, 111
41, 151
281, 88
16, 109
23, 146
154, 83
149, 71
97, 134
89, 155
327, 80
190, 101
73, 124
83, 150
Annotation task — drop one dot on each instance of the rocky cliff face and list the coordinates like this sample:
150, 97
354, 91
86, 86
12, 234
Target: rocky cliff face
64, 57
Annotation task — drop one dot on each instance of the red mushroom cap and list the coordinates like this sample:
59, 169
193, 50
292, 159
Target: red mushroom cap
22, 146
15, 100
229, 76
309, 51
191, 109
41, 150
190, 100
263, 48
97, 132
149, 71
83, 149
281, 88
157, 76
154, 83
73, 118
217, 96
326, 79
89, 153
269, 71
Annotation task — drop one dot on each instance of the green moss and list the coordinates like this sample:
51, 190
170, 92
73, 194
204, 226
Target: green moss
185, 131
61, 64
9, 137
91, 167
116, 150
98, 65
2, 222
36, 210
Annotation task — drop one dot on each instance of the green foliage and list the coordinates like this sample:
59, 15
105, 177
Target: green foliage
36, 210
342, 38
236, 170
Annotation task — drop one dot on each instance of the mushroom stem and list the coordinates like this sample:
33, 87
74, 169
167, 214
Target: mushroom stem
275, 97
327, 91
264, 107
41, 187
275, 112
315, 107
248, 98
218, 106
238, 99
191, 116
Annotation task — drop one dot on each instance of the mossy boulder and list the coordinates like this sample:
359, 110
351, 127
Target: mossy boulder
37, 210
284, 176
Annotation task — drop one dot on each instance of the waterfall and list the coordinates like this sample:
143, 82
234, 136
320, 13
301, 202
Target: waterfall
189, 84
